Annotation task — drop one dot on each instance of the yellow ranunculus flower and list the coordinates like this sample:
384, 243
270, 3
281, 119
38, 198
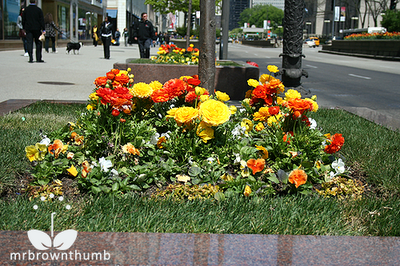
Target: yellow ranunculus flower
262, 114
155, 85
72, 171
314, 103
199, 91
205, 132
266, 78
292, 94
90, 107
259, 127
233, 109
171, 112
274, 119
141, 90
185, 115
222, 96
93, 96
204, 98
214, 112
272, 68
253, 83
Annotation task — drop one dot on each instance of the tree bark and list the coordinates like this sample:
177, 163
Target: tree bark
207, 44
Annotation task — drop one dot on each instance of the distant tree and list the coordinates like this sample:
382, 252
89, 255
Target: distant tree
166, 6
257, 14
391, 20
376, 8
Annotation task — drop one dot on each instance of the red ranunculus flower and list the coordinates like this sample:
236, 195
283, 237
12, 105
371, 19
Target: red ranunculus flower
273, 110
100, 81
336, 144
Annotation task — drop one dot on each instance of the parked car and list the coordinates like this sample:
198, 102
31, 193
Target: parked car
310, 43
316, 40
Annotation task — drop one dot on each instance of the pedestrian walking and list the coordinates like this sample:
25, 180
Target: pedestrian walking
166, 38
117, 36
50, 29
106, 35
22, 32
33, 23
95, 36
143, 32
126, 36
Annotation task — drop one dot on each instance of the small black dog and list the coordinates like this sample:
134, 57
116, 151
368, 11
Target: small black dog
75, 46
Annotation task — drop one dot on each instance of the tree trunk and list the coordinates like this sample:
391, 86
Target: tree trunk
207, 44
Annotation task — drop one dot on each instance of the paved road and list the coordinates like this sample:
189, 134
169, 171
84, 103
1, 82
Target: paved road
367, 87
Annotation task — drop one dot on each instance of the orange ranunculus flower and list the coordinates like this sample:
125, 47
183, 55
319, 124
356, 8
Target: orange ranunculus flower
298, 177
300, 105
55, 148
86, 168
273, 110
185, 115
256, 165
161, 96
175, 87
214, 112
336, 144
110, 75
115, 71
122, 79
100, 81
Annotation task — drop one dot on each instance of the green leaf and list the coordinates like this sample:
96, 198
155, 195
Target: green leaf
220, 196
272, 177
194, 171
115, 187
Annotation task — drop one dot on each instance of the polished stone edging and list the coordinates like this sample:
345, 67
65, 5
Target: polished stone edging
205, 249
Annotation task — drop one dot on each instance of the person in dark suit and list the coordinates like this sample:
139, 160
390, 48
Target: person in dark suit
143, 32
33, 23
106, 36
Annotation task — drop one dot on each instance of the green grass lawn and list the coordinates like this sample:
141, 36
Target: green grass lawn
371, 152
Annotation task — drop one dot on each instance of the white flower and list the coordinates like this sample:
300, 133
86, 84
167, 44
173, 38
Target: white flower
35, 207
42, 198
68, 207
238, 130
338, 166
237, 158
51, 195
331, 175
154, 138
45, 140
210, 159
166, 134
114, 173
61, 198
105, 164
313, 123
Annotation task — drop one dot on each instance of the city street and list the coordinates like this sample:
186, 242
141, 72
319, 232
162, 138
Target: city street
338, 81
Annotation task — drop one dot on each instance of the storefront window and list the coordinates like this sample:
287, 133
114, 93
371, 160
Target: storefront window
63, 21
10, 15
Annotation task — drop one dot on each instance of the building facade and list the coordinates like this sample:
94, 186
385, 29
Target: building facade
75, 17
235, 8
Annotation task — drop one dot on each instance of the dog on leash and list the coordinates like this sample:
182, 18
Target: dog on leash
73, 46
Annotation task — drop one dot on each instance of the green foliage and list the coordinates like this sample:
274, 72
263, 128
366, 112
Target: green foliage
257, 14
391, 20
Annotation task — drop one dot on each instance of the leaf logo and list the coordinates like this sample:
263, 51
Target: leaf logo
42, 241
63, 241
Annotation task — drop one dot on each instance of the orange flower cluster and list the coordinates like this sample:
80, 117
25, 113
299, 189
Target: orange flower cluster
299, 106
113, 90
256, 165
337, 142
177, 88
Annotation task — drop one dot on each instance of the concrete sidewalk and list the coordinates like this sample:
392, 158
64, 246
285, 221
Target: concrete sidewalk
62, 76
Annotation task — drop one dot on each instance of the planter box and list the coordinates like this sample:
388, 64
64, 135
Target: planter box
377, 48
229, 79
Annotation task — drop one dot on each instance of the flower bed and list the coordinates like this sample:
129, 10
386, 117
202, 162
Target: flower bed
136, 136
375, 48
